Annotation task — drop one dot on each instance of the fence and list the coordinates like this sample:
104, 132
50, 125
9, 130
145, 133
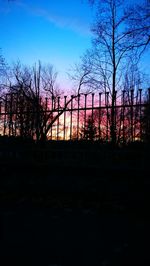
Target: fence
84, 116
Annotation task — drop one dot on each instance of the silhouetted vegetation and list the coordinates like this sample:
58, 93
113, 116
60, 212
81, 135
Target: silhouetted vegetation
146, 122
81, 201
119, 39
31, 116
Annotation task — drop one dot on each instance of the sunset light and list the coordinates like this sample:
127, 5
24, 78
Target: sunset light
74, 132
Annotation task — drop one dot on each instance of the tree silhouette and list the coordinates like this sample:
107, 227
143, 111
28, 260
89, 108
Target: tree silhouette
32, 101
115, 42
146, 120
89, 130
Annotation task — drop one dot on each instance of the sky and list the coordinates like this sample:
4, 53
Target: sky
53, 31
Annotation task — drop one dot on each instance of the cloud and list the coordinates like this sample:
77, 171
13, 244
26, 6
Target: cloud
71, 23
75, 24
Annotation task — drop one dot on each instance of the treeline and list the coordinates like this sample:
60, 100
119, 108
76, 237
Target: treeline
33, 105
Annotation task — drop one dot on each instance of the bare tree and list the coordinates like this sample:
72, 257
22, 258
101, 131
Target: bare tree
35, 97
139, 24
115, 40
2, 64
145, 119
26, 89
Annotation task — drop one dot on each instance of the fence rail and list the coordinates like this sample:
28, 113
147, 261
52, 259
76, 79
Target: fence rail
84, 116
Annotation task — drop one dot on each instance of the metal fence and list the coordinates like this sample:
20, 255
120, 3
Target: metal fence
84, 116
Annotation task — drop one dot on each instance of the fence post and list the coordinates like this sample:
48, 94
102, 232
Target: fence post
132, 103
85, 104
5, 115
52, 108
115, 128
123, 114
140, 103
58, 104
99, 116
107, 123
0, 109
16, 113
78, 116
10, 114
65, 97
71, 117
92, 105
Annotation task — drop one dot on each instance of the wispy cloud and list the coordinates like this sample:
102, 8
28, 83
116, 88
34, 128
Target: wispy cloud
75, 24
72, 23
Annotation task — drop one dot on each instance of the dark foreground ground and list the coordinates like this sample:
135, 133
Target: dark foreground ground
75, 215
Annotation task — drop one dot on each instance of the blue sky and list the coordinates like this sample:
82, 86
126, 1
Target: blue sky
53, 31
